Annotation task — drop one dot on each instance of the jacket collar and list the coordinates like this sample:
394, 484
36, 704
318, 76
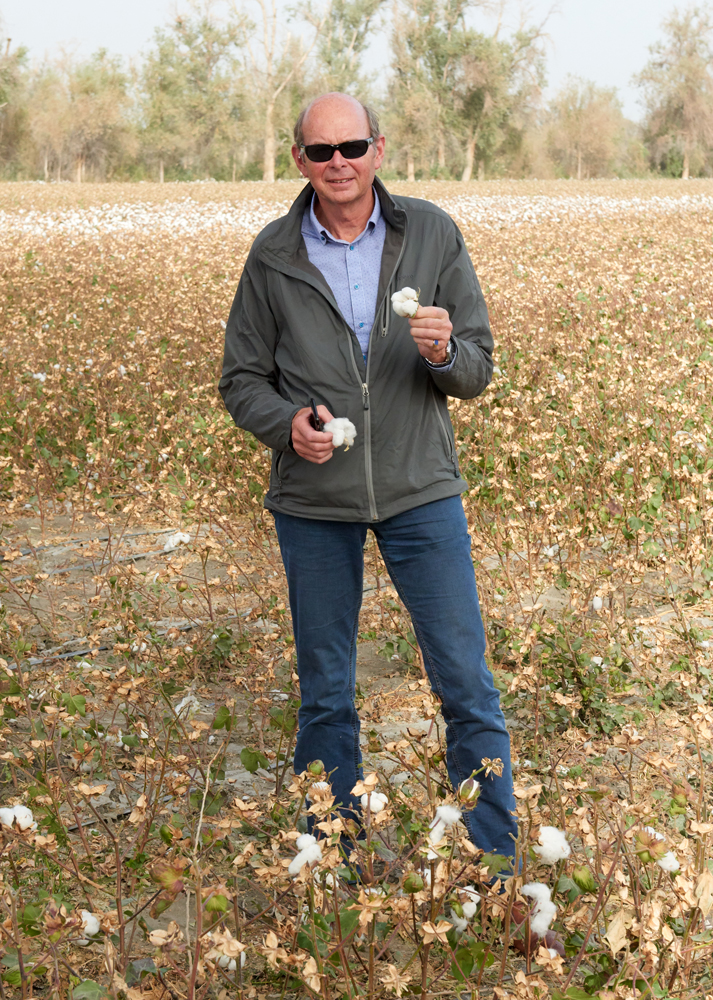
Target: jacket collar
286, 240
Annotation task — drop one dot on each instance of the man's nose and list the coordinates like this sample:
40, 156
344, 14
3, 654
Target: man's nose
337, 160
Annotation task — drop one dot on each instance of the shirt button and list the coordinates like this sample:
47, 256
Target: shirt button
356, 286
361, 324
351, 248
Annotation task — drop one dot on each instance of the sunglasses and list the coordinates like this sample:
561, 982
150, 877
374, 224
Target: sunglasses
322, 152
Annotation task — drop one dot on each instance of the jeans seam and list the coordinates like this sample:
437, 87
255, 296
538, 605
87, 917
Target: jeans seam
352, 683
426, 652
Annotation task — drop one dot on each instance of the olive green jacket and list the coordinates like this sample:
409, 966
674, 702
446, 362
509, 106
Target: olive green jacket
286, 341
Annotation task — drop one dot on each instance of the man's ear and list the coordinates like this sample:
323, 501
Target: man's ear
299, 162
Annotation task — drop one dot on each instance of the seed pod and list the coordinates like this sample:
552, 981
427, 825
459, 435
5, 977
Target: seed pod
413, 883
583, 879
316, 767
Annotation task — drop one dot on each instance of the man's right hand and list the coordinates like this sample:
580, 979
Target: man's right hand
315, 446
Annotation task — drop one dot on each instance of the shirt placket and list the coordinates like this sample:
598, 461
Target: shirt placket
356, 292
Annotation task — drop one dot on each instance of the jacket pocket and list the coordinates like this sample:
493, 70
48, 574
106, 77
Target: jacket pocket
448, 437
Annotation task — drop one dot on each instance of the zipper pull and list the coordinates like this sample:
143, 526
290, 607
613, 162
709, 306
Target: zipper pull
365, 395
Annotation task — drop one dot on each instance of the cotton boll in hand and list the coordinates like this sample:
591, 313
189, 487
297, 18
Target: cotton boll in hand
405, 302
342, 430
552, 846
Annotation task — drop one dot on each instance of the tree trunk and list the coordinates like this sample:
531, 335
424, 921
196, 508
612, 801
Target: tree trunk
481, 171
469, 158
235, 167
686, 164
268, 166
47, 167
579, 163
160, 170
441, 152
410, 168
80, 165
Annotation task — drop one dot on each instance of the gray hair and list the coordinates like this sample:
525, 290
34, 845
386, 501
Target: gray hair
372, 119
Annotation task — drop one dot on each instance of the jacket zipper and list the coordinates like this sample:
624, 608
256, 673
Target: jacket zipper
365, 390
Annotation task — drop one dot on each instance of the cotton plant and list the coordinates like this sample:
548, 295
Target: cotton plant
405, 302
464, 909
552, 845
652, 847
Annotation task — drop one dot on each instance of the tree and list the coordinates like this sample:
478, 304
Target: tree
12, 104
471, 87
586, 125
281, 62
48, 112
677, 88
192, 104
98, 123
343, 41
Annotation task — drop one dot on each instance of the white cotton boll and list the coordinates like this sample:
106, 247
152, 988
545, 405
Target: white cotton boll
542, 917
304, 841
471, 905
537, 891
552, 846
122, 370
597, 604
7, 817
313, 852
448, 815
552, 953
438, 830
342, 430
460, 923
90, 923
176, 539
225, 962
24, 820
654, 833
376, 803
405, 302
669, 862
40, 376
188, 706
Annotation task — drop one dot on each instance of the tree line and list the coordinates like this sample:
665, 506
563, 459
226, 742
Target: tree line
215, 96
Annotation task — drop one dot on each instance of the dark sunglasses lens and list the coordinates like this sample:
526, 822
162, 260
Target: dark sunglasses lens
353, 150
320, 152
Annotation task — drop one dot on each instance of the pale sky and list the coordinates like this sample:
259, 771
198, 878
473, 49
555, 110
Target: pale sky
602, 40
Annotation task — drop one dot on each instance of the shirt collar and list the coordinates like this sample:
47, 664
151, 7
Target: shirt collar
319, 230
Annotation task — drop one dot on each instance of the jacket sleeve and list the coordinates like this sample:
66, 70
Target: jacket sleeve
458, 291
249, 384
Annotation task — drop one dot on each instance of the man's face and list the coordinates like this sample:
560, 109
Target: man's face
339, 182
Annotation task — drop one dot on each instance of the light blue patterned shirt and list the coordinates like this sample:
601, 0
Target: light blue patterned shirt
352, 270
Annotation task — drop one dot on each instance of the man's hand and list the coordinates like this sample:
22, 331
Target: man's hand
431, 323
315, 446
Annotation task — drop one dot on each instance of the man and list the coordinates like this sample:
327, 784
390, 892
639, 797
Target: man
312, 318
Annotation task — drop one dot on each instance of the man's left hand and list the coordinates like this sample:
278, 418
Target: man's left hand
429, 324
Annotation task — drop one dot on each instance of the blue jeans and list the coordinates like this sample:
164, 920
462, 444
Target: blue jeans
427, 553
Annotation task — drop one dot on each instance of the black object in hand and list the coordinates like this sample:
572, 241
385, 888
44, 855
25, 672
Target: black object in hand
314, 418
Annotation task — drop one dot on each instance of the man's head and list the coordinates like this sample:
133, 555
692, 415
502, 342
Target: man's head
333, 119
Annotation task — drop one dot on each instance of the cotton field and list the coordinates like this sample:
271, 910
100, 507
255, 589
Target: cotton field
154, 840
